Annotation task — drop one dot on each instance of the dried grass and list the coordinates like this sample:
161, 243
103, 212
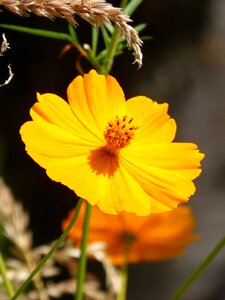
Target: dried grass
95, 12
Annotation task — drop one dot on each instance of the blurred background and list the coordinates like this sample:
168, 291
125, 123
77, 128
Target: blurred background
184, 65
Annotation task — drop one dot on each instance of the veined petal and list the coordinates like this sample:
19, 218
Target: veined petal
108, 186
53, 110
95, 99
176, 156
127, 195
153, 122
46, 143
169, 181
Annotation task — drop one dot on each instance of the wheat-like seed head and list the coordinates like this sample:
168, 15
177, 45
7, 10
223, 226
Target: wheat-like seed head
95, 12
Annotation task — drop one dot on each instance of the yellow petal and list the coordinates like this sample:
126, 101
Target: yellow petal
125, 195
152, 120
165, 172
177, 156
47, 145
99, 180
95, 99
53, 110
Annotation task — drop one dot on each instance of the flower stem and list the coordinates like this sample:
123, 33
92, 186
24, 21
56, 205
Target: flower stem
111, 51
37, 280
83, 257
6, 281
128, 239
113, 45
123, 3
124, 280
50, 253
186, 284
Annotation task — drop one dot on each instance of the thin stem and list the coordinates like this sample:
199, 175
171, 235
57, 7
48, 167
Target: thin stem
6, 281
94, 40
124, 280
113, 45
128, 239
37, 280
112, 51
83, 257
123, 3
73, 34
186, 284
39, 32
51, 252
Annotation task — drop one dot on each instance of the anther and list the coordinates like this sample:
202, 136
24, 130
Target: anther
119, 133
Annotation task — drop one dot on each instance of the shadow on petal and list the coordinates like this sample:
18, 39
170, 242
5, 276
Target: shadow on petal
103, 162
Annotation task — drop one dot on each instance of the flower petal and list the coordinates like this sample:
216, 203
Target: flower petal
156, 237
109, 186
152, 120
125, 195
95, 99
164, 171
53, 110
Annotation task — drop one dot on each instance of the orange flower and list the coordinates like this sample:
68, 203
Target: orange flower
150, 238
114, 153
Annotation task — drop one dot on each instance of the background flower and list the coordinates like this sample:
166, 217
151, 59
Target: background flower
116, 154
150, 238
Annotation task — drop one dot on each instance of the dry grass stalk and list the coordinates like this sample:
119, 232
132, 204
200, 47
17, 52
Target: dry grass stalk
15, 223
15, 220
4, 46
95, 12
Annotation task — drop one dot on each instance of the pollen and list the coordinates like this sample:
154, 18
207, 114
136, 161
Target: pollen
119, 133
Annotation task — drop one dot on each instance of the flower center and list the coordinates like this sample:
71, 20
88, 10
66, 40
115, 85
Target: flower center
128, 238
118, 133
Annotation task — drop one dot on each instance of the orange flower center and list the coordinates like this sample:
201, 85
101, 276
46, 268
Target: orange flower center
128, 238
119, 133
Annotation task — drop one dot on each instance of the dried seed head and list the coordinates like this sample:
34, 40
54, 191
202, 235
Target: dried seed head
4, 46
95, 12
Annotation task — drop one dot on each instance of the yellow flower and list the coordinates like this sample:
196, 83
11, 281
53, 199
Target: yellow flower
136, 238
114, 153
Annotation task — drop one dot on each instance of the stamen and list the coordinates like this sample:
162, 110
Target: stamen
119, 133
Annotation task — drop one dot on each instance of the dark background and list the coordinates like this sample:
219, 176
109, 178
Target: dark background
184, 65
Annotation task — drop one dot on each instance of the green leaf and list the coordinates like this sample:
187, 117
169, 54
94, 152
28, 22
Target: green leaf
140, 27
109, 27
132, 6
73, 34
147, 38
39, 32
105, 36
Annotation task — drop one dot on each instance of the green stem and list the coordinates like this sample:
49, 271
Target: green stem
51, 252
186, 284
85, 53
39, 32
73, 34
94, 40
83, 257
113, 46
128, 239
124, 280
111, 51
123, 3
6, 281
